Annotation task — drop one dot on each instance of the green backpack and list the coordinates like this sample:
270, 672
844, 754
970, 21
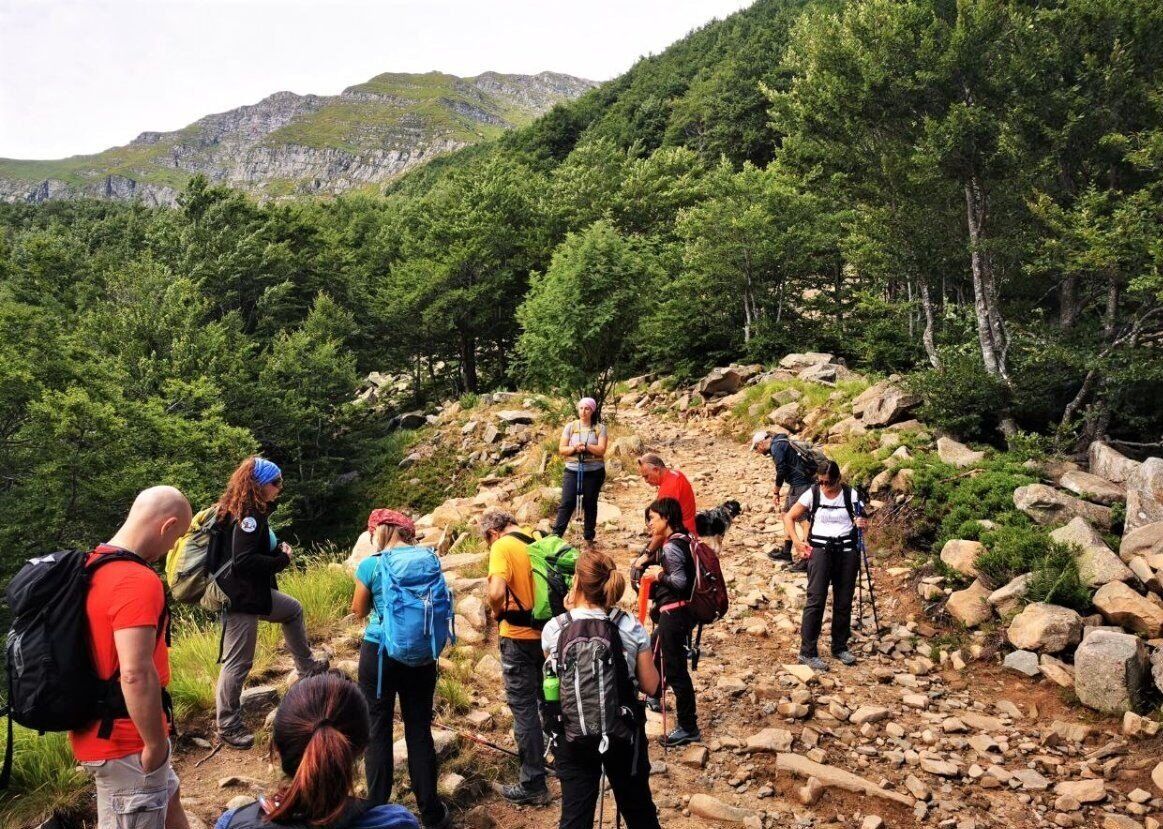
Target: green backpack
553, 565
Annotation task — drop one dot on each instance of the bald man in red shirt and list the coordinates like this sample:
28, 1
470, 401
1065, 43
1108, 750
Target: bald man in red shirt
671, 484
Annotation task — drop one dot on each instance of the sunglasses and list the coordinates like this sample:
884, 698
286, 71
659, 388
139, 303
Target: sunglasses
277, 482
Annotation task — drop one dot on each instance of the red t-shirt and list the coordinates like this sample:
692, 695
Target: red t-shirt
675, 485
121, 595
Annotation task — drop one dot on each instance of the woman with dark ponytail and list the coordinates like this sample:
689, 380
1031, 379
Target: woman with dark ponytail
320, 732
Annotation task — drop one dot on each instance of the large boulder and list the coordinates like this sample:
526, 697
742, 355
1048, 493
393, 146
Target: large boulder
359, 551
789, 416
1142, 509
1147, 479
721, 381
1142, 541
861, 401
1110, 671
823, 373
890, 407
1092, 487
517, 417
1110, 463
798, 362
1097, 563
1122, 606
970, 606
1051, 507
957, 454
962, 556
1045, 627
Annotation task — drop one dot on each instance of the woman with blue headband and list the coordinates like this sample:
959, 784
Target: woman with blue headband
256, 555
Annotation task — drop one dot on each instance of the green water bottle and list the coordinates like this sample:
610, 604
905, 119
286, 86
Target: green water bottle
551, 688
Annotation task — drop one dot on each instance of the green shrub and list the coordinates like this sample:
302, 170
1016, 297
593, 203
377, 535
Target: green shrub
469, 400
961, 397
45, 779
951, 498
1014, 550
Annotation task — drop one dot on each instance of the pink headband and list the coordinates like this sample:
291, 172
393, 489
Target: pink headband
589, 403
379, 517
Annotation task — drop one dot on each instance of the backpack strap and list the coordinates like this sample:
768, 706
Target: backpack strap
522, 537
848, 504
815, 509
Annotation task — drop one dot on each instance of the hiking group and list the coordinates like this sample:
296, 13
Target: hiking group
579, 672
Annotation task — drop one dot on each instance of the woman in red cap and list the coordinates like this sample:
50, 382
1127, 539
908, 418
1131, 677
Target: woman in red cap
383, 678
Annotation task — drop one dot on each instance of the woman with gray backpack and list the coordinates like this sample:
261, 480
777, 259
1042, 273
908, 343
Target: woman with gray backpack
401, 591
598, 658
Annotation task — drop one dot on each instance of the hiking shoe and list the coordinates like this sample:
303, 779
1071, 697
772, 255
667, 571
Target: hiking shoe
813, 662
845, 657
444, 823
654, 704
318, 666
518, 795
799, 566
779, 555
236, 738
680, 737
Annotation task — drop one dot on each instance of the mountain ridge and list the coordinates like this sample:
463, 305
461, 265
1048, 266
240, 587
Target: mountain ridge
290, 144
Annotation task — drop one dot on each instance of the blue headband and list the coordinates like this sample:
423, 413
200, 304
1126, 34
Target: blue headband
266, 471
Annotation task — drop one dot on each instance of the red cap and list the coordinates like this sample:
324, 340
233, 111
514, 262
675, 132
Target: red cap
390, 517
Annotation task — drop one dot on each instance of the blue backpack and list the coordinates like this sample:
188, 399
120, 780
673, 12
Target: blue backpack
415, 607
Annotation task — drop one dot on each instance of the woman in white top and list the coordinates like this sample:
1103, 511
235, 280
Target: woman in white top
583, 445
835, 513
597, 588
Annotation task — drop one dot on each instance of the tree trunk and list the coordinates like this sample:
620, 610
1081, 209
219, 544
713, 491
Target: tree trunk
1069, 307
1111, 312
468, 362
990, 329
927, 334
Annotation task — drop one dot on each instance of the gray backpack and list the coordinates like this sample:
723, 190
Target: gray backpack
598, 700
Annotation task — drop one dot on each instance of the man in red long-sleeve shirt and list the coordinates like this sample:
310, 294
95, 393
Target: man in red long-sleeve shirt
671, 484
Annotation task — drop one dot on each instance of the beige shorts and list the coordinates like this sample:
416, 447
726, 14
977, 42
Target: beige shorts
127, 797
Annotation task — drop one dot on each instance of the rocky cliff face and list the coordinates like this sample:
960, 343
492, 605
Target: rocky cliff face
288, 145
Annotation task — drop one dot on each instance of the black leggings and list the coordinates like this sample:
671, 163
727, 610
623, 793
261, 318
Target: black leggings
579, 767
670, 657
591, 485
416, 687
837, 564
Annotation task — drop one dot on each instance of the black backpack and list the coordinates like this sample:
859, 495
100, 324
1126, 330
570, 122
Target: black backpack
52, 682
597, 695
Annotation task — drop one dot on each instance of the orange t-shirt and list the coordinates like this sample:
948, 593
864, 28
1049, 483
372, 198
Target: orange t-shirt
121, 595
675, 485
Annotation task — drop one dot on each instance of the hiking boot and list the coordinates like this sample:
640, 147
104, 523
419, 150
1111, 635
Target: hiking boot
318, 666
444, 823
680, 737
654, 704
845, 657
518, 795
813, 662
799, 566
779, 555
236, 738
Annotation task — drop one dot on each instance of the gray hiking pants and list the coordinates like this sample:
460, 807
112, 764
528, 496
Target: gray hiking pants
521, 661
238, 644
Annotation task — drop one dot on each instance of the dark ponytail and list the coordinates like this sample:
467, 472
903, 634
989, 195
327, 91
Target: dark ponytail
320, 731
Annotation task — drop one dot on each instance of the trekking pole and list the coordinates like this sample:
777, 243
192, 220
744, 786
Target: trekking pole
867, 570
859, 597
579, 506
602, 800
476, 738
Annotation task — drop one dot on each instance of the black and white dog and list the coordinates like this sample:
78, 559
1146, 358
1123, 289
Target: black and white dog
714, 523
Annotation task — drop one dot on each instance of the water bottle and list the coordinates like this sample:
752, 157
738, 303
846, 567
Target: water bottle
551, 688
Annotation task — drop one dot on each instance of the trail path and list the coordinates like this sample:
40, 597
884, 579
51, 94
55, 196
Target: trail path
968, 748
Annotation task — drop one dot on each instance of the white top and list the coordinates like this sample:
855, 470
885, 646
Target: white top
832, 519
635, 639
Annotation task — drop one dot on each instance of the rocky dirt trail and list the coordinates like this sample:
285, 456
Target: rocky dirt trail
918, 733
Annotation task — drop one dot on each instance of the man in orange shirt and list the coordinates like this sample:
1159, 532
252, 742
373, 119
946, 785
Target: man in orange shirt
671, 484
510, 595
128, 628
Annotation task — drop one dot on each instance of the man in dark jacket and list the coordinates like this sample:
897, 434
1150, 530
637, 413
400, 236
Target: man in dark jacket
789, 469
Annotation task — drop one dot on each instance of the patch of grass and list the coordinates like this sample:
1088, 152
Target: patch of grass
469, 401
812, 396
452, 696
951, 497
1014, 550
45, 779
420, 488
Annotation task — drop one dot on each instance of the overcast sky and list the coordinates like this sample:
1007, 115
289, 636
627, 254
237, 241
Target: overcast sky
79, 76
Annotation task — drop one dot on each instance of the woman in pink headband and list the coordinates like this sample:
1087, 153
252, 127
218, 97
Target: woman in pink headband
583, 445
